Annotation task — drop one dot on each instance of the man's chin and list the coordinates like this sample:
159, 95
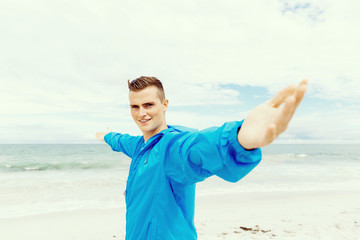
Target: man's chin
144, 128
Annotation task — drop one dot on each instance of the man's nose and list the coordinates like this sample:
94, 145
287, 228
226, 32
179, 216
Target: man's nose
142, 111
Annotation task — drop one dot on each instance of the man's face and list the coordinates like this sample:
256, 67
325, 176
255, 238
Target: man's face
148, 111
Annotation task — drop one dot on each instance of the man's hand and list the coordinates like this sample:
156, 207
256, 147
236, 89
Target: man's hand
268, 120
100, 135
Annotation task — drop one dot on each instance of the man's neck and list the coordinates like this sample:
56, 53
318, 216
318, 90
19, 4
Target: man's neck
149, 135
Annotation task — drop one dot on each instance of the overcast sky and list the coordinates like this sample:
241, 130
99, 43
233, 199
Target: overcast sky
65, 64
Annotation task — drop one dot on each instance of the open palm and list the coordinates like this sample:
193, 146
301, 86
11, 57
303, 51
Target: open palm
100, 135
268, 120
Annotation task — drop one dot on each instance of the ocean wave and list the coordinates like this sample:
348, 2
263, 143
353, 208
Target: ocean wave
16, 167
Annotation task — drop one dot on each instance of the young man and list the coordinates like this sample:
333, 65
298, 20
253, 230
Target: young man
167, 161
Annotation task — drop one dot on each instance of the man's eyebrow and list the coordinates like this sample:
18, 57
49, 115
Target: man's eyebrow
135, 105
148, 103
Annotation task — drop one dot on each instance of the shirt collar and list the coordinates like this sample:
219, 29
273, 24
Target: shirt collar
153, 139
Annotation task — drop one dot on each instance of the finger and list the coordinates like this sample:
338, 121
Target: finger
300, 92
108, 128
304, 82
292, 101
98, 135
286, 113
291, 104
282, 95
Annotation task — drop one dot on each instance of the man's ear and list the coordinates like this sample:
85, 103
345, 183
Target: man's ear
166, 104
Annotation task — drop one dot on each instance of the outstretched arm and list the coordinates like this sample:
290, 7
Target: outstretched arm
100, 135
268, 120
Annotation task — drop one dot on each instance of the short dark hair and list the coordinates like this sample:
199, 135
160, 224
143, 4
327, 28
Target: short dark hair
142, 82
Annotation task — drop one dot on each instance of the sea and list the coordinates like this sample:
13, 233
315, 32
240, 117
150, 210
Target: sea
45, 178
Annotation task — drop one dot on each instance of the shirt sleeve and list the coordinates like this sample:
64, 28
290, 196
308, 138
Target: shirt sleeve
122, 143
192, 157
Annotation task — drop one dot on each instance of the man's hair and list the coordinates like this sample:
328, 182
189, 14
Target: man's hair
142, 82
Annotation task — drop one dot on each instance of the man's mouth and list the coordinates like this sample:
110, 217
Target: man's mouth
145, 120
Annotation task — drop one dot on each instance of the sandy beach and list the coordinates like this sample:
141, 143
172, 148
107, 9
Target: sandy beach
280, 215
250, 215
299, 192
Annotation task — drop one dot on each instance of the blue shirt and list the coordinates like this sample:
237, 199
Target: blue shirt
160, 191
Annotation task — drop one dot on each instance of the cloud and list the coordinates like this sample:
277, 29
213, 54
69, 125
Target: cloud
305, 9
63, 58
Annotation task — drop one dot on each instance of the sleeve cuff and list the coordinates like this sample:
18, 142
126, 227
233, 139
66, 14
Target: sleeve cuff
242, 154
107, 137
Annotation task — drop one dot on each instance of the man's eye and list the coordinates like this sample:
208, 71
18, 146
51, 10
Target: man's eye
134, 107
148, 105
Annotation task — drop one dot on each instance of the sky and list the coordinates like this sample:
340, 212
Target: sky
65, 65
